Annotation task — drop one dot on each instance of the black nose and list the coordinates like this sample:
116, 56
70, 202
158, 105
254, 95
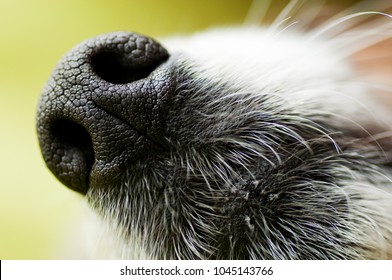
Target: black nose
104, 107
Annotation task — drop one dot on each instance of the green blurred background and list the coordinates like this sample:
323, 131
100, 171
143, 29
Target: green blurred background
36, 211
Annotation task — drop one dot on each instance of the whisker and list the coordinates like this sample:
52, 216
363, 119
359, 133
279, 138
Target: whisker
284, 14
286, 28
359, 44
308, 15
354, 9
318, 32
362, 37
377, 86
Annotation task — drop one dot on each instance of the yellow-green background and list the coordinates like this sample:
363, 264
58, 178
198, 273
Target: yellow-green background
36, 210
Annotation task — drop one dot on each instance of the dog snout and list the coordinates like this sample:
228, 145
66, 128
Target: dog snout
104, 106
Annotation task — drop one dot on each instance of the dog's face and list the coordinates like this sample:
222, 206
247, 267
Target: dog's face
238, 143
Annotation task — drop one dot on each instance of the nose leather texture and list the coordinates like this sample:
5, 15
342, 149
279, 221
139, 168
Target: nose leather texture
103, 107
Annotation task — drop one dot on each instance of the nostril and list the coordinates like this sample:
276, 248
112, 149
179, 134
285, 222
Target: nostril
72, 135
74, 155
122, 58
117, 69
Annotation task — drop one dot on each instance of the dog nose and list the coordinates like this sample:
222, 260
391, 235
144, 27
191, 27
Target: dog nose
104, 107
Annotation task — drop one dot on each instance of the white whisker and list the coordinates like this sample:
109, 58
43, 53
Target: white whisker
284, 14
322, 31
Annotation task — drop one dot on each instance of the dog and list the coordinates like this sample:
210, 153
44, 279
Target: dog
256, 142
